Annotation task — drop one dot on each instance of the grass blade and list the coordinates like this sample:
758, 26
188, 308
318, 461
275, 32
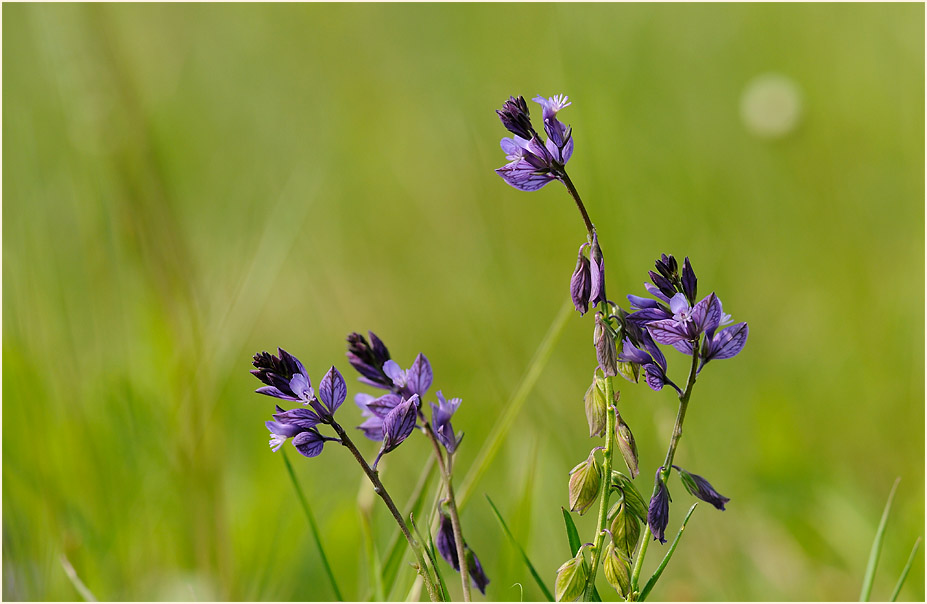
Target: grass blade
493, 443
398, 546
312, 526
524, 556
669, 554
373, 557
907, 569
429, 547
87, 595
877, 546
572, 533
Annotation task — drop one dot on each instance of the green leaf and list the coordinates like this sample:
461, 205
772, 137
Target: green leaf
907, 569
877, 546
313, 527
669, 554
524, 556
572, 533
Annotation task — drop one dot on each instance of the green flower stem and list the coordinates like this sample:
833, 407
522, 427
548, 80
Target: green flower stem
667, 465
605, 486
446, 469
380, 490
579, 202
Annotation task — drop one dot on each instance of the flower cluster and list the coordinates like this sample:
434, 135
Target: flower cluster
534, 163
286, 378
675, 319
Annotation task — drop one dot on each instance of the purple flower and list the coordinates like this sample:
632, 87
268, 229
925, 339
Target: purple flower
368, 359
533, 164
333, 390
652, 361
658, 514
297, 424
398, 425
689, 282
414, 380
687, 323
287, 379
441, 421
725, 344
581, 282
702, 489
375, 410
447, 547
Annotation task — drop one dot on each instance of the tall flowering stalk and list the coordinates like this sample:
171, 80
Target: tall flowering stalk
626, 344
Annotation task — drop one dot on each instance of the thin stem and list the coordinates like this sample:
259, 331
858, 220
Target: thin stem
667, 464
579, 202
605, 485
446, 468
313, 527
380, 490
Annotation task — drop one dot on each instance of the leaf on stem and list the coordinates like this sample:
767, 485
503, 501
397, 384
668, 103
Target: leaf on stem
669, 554
907, 569
877, 546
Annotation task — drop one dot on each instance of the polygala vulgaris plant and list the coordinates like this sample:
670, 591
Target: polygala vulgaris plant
626, 343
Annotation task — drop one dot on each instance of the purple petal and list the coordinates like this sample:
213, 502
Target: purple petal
729, 341
419, 376
655, 377
309, 443
299, 384
655, 292
632, 354
285, 430
399, 423
678, 304
332, 389
301, 417
361, 399
639, 302
667, 331
372, 428
580, 283
567, 151
646, 315
523, 176
683, 346
273, 391
700, 313
651, 347
550, 106
381, 407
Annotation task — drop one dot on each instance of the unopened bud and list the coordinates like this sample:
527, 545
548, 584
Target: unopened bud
571, 578
627, 446
617, 568
596, 414
625, 528
632, 497
584, 484
605, 351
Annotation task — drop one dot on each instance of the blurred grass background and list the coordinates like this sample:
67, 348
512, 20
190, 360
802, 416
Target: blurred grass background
186, 185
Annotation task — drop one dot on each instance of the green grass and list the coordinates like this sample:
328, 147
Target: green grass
188, 184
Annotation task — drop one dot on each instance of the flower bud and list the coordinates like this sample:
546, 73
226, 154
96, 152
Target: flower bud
571, 578
627, 446
617, 567
581, 282
632, 497
701, 488
625, 528
605, 350
584, 484
658, 513
596, 413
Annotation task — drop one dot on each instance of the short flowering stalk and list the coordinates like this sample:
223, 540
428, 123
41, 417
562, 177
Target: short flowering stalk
667, 468
605, 489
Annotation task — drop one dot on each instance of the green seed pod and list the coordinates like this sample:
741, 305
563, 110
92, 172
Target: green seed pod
627, 446
625, 528
617, 569
584, 484
595, 408
632, 497
571, 579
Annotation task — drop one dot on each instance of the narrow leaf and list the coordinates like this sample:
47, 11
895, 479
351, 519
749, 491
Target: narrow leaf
572, 533
524, 556
907, 569
313, 527
669, 554
398, 547
877, 546
373, 557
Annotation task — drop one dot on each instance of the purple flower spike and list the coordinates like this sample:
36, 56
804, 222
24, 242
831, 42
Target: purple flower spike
398, 425
533, 163
702, 489
333, 390
581, 282
368, 359
441, 421
658, 514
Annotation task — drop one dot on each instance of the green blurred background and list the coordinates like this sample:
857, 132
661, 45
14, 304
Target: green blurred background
186, 185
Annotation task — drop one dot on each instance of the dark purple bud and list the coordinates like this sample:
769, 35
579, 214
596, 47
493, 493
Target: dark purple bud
663, 284
581, 282
477, 576
285, 376
368, 359
605, 349
701, 488
667, 267
445, 542
441, 421
515, 117
689, 282
596, 272
658, 514
398, 425
333, 390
